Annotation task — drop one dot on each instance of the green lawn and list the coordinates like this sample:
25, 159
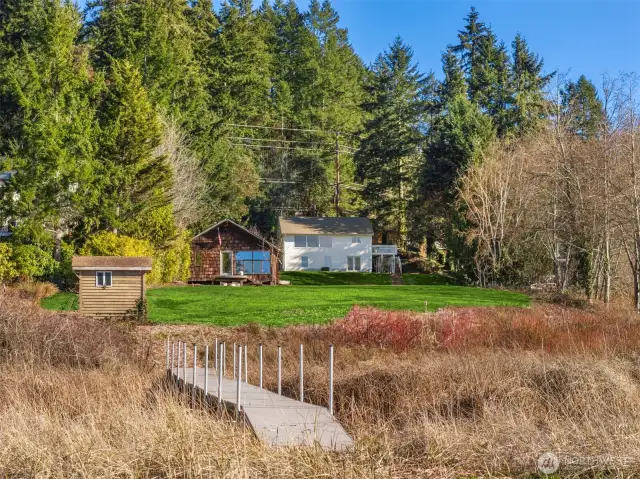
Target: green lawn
61, 302
313, 298
283, 305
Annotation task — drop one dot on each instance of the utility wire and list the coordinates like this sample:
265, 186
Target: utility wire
273, 140
278, 141
290, 148
273, 128
281, 128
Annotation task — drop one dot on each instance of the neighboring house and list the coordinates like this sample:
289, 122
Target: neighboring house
229, 253
336, 244
110, 285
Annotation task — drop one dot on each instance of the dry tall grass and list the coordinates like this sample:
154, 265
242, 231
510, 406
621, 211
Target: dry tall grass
88, 401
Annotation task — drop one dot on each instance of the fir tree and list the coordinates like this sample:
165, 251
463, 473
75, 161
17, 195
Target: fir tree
134, 179
389, 157
583, 107
47, 93
528, 87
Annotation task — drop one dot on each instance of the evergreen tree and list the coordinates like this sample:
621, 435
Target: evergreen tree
337, 97
47, 93
389, 157
528, 87
134, 179
158, 39
240, 78
583, 107
473, 51
453, 84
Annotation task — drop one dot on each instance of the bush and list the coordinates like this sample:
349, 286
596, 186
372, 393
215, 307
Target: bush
45, 337
8, 271
173, 261
325, 268
32, 262
63, 275
170, 263
36, 290
398, 330
106, 243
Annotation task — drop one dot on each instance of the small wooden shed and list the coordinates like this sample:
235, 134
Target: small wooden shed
229, 253
110, 285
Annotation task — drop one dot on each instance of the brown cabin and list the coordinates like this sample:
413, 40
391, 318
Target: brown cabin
230, 253
110, 285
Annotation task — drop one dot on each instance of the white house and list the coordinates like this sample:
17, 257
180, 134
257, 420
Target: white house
337, 244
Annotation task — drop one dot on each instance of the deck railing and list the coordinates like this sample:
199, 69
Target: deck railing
177, 359
385, 249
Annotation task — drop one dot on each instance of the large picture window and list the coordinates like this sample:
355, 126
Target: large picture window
253, 262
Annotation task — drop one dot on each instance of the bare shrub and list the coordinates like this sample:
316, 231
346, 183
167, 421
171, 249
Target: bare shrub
487, 407
36, 336
35, 290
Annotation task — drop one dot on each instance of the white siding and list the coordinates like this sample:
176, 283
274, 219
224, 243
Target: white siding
341, 247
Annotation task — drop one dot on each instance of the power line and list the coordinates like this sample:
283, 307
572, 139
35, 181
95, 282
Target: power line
274, 128
278, 181
281, 128
275, 140
290, 148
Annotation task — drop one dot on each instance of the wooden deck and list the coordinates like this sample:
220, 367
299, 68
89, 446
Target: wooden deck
275, 419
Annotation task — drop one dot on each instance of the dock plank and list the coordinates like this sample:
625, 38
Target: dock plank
275, 419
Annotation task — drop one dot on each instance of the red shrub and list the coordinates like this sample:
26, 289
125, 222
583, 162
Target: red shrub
548, 328
398, 330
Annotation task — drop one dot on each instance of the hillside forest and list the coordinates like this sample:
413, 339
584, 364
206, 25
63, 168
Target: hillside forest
130, 125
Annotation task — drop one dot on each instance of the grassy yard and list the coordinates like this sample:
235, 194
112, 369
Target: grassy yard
313, 298
283, 305
61, 302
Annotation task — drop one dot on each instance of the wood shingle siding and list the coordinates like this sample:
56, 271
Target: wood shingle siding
228, 236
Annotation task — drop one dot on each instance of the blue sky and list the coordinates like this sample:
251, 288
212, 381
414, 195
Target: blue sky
578, 37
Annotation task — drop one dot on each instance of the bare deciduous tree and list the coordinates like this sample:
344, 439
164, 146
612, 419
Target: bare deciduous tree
189, 185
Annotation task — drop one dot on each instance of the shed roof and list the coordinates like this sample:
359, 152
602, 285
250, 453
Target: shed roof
324, 225
123, 263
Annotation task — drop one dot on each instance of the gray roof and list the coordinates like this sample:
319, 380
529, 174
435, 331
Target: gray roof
325, 226
132, 263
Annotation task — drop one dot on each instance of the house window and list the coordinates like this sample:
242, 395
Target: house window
300, 241
325, 242
198, 258
226, 262
304, 262
353, 263
327, 262
356, 239
103, 279
253, 262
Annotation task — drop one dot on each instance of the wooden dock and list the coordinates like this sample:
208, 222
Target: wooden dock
275, 419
